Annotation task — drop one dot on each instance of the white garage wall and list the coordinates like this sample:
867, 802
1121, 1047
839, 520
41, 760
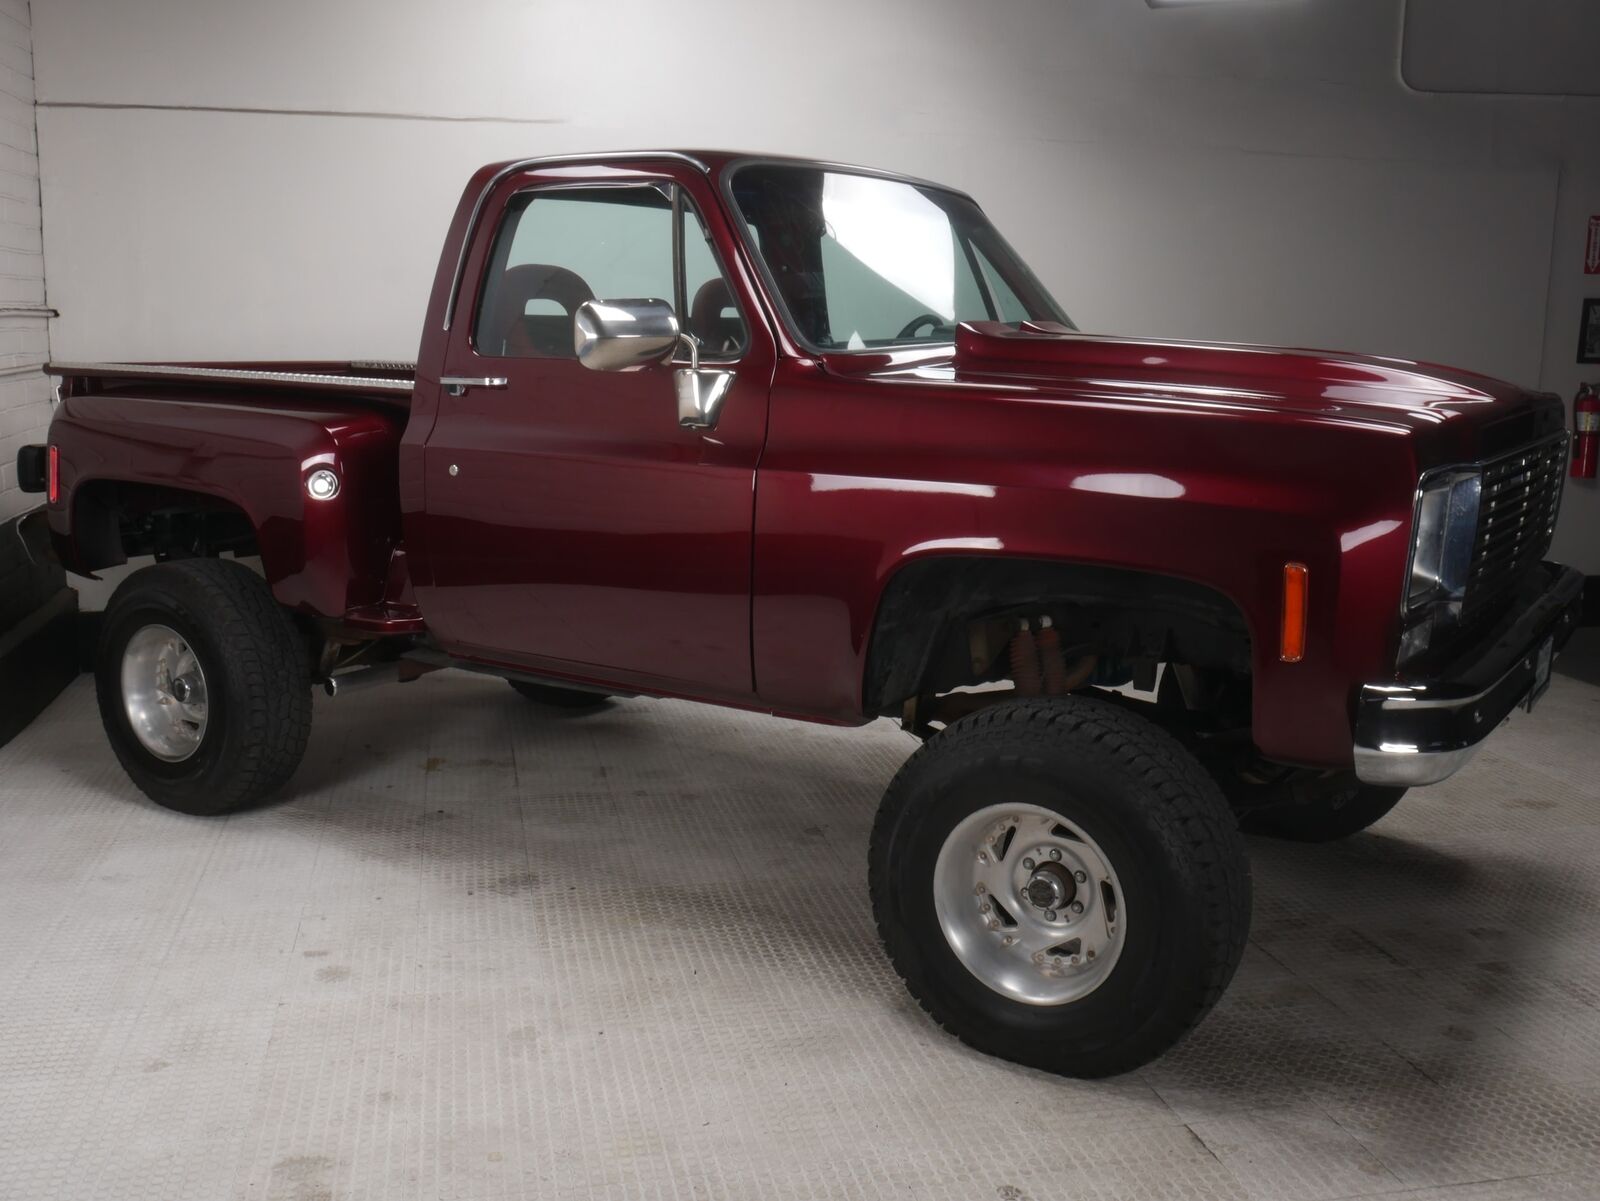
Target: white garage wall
24, 391
1254, 171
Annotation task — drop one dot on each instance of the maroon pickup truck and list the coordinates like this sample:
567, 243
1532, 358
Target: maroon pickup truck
812, 440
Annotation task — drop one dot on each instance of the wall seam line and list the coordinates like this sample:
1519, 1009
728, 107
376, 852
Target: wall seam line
354, 114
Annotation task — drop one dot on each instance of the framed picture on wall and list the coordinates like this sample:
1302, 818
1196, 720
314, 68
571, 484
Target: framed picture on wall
1589, 332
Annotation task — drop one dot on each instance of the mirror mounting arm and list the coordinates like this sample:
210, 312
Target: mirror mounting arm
700, 391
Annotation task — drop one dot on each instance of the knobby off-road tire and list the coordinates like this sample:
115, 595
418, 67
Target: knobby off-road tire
1090, 787
573, 699
204, 686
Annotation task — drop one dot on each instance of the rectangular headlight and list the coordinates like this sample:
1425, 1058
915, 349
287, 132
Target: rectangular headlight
1446, 528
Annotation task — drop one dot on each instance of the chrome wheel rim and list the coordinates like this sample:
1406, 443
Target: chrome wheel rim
164, 693
1030, 904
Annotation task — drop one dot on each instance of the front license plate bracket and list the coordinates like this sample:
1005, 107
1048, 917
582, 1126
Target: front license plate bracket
1541, 672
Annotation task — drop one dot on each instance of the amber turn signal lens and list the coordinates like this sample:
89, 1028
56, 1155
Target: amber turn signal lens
1296, 590
53, 476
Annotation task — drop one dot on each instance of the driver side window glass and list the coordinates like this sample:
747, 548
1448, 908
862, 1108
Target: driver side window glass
713, 316
557, 249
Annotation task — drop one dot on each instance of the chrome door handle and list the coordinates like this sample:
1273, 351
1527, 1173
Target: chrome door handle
457, 384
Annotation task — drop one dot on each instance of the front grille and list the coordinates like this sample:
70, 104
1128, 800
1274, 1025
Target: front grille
1516, 520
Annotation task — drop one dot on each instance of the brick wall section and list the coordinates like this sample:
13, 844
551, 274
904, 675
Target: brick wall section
24, 332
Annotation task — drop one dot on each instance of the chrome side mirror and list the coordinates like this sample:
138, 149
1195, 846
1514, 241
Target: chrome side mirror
701, 391
621, 335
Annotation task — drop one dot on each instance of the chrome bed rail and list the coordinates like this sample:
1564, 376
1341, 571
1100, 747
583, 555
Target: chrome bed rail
237, 375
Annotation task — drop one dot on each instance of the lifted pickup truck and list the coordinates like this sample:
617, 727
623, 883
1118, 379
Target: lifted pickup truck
812, 440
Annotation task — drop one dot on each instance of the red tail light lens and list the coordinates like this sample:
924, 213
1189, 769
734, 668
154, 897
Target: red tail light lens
53, 476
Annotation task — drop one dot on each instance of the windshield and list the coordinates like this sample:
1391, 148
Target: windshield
862, 262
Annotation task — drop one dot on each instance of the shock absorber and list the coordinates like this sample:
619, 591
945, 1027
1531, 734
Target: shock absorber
1025, 673
1050, 658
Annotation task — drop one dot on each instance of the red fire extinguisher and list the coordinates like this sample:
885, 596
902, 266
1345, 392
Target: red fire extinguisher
1585, 432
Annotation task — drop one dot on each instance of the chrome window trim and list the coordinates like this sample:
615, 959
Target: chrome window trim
529, 164
235, 375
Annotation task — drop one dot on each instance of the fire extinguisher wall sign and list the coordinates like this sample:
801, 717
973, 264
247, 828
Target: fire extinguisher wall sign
1585, 432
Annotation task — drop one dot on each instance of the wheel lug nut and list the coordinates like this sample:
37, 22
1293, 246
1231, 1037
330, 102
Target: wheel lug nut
994, 923
1079, 877
1077, 906
1007, 941
1054, 853
981, 889
1049, 915
1027, 865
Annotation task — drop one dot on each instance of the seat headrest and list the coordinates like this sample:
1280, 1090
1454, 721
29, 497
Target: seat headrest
705, 316
521, 285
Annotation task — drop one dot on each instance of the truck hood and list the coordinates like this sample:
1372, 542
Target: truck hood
1455, 415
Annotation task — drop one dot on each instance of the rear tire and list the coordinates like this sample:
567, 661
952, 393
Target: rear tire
1124, 796
203, 685
572, 699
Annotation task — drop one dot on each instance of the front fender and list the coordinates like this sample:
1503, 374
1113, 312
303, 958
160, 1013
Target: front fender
1218, 499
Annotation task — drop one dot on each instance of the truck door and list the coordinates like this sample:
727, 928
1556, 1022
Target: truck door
572, 525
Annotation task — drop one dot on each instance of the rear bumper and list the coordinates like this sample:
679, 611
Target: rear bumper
1414, 732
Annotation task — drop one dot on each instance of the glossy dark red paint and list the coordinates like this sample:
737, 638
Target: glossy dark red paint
251, 450
587, 535
585, 532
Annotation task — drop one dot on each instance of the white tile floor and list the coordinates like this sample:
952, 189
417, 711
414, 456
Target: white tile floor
484, 952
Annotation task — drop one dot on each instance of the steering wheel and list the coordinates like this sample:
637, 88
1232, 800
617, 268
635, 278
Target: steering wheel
916, 323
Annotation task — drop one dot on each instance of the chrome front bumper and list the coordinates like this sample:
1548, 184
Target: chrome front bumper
1413, 732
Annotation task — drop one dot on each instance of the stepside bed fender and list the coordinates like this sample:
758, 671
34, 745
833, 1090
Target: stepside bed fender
139, 471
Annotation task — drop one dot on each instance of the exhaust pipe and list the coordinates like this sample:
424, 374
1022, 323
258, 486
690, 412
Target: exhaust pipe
360, 678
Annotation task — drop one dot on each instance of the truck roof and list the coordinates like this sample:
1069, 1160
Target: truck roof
712, 162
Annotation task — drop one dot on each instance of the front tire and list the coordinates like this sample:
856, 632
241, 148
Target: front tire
203, 686
1047, 804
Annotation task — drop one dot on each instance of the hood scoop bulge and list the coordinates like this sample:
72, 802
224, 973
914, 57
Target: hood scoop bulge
985, 347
